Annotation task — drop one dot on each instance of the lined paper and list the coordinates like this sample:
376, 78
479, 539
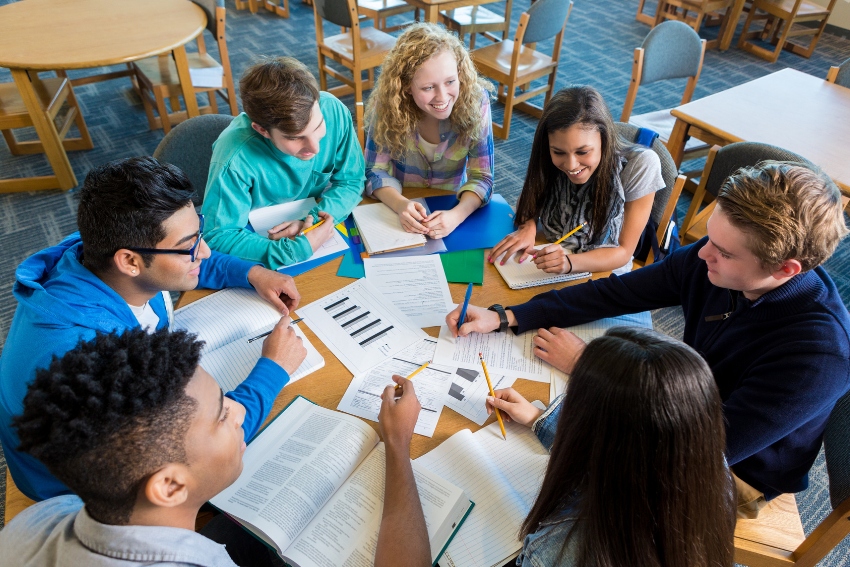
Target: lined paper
381, 230
527, 274
502, 478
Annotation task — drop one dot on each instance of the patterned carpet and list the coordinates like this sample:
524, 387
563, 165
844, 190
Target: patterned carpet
598, 45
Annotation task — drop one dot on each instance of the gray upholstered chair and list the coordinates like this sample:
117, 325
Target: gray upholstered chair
665, 200
189, 147
761, 542
516, 63
721, 163
671, 50
840, 74
157, 76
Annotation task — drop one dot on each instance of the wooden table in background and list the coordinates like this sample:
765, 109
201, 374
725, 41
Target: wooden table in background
327, 386
432, 8
795, 111
49, 35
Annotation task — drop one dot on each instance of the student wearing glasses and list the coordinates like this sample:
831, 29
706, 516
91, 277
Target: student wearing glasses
139, 238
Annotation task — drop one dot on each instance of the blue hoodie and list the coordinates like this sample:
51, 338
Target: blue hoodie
60, 303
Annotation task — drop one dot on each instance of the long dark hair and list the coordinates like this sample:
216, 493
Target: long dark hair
638, 456
574, 105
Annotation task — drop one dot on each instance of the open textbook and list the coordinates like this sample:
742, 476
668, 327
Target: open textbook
527, 274
502, 477
312, 488
225, 321
381, 230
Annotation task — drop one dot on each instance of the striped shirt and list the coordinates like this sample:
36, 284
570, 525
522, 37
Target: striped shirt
457, 166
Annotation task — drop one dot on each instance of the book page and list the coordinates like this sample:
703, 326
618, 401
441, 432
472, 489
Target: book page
589, 331
504, 353
527, 274
293, 467
417, 286
231, 363
363, 396
502, 478
381, 230
345, 532
360, 326
225, 316
265, 218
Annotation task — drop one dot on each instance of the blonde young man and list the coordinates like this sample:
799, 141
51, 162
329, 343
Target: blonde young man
758, 307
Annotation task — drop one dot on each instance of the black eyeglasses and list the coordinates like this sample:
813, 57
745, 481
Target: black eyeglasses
191, 252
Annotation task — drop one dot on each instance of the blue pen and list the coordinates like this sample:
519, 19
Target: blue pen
462, 319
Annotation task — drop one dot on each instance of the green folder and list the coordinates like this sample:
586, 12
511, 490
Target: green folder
464, 266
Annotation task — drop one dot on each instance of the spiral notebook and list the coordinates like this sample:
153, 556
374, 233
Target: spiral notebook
521, 276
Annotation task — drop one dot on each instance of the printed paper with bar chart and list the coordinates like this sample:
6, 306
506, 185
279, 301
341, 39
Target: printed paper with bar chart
360, 326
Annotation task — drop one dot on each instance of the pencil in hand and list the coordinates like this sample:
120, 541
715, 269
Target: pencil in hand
414, 373
493, 393
267, 333
311, 227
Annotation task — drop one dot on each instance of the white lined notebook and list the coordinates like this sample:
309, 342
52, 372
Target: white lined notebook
502, 478
520, 276
225, 321
381, 230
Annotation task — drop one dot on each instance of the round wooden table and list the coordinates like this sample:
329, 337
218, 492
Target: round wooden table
48, 35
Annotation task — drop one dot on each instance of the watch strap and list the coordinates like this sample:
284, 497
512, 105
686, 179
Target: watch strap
503, 317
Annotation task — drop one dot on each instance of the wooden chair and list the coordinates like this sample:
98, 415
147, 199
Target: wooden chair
380, 10
665, 199
516, 63
671, 50
692, 12
776, 537
279, 7
478, 19
645, 18
54, 93
157, 76
779, 17
840, 74
720, 164
358, 49
16, 502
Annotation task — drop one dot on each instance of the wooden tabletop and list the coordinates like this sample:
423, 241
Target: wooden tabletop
432, 8
326, 386
77, 34
801, 113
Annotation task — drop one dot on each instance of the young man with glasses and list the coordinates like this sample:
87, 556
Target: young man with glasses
139, 238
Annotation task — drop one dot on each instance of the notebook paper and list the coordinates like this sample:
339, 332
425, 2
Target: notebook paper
381, 230
527, 274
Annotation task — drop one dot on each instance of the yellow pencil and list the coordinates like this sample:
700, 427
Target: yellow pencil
414, 373
309, 228
570, 233
493, 393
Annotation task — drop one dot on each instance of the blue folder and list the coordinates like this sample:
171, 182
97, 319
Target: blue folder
482, 229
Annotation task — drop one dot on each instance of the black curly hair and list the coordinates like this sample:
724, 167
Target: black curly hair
109, 413
123, 204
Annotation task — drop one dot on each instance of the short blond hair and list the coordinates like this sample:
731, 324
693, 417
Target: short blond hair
788, 211
392, 114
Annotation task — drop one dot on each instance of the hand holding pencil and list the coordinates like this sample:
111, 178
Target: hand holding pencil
492, 393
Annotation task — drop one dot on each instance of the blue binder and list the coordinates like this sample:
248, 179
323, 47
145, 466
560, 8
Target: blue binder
482, 229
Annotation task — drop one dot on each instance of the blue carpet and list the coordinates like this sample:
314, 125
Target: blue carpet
598, 45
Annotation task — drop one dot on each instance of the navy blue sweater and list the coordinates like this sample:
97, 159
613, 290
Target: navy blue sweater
780, 362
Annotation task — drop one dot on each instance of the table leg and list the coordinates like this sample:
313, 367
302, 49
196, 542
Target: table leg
432, 13
46, 131
676, 142
730, 22
186, 87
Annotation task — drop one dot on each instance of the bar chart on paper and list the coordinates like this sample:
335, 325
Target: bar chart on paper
360, 326
469, 389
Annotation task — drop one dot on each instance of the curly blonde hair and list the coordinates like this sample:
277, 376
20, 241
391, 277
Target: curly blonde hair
392, 114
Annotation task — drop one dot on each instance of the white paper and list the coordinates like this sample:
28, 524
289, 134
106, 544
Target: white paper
207, 77
558, 385
417, 286
589, 331
527, 274
504, 353
381, 230
502, 477
363, 396
360, 326
469, 389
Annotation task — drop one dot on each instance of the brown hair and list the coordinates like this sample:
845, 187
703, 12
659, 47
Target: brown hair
392, 114
279, 93
638, 457
788, 211
585, 107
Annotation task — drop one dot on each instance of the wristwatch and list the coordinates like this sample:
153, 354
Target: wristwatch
503, 317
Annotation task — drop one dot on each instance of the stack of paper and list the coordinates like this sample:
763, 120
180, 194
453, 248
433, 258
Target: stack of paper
206, 77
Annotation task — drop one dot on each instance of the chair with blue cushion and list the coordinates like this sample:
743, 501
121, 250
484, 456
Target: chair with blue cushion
776, 537
189, 147
840, 75
516, 63
671, 50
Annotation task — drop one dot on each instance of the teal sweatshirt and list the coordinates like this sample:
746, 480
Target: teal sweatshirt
248, 172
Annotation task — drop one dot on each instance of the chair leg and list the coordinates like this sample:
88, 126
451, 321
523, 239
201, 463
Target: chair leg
323, 79
213, 101
509, 109
163, 112
80, 122
12, 142
358, 104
